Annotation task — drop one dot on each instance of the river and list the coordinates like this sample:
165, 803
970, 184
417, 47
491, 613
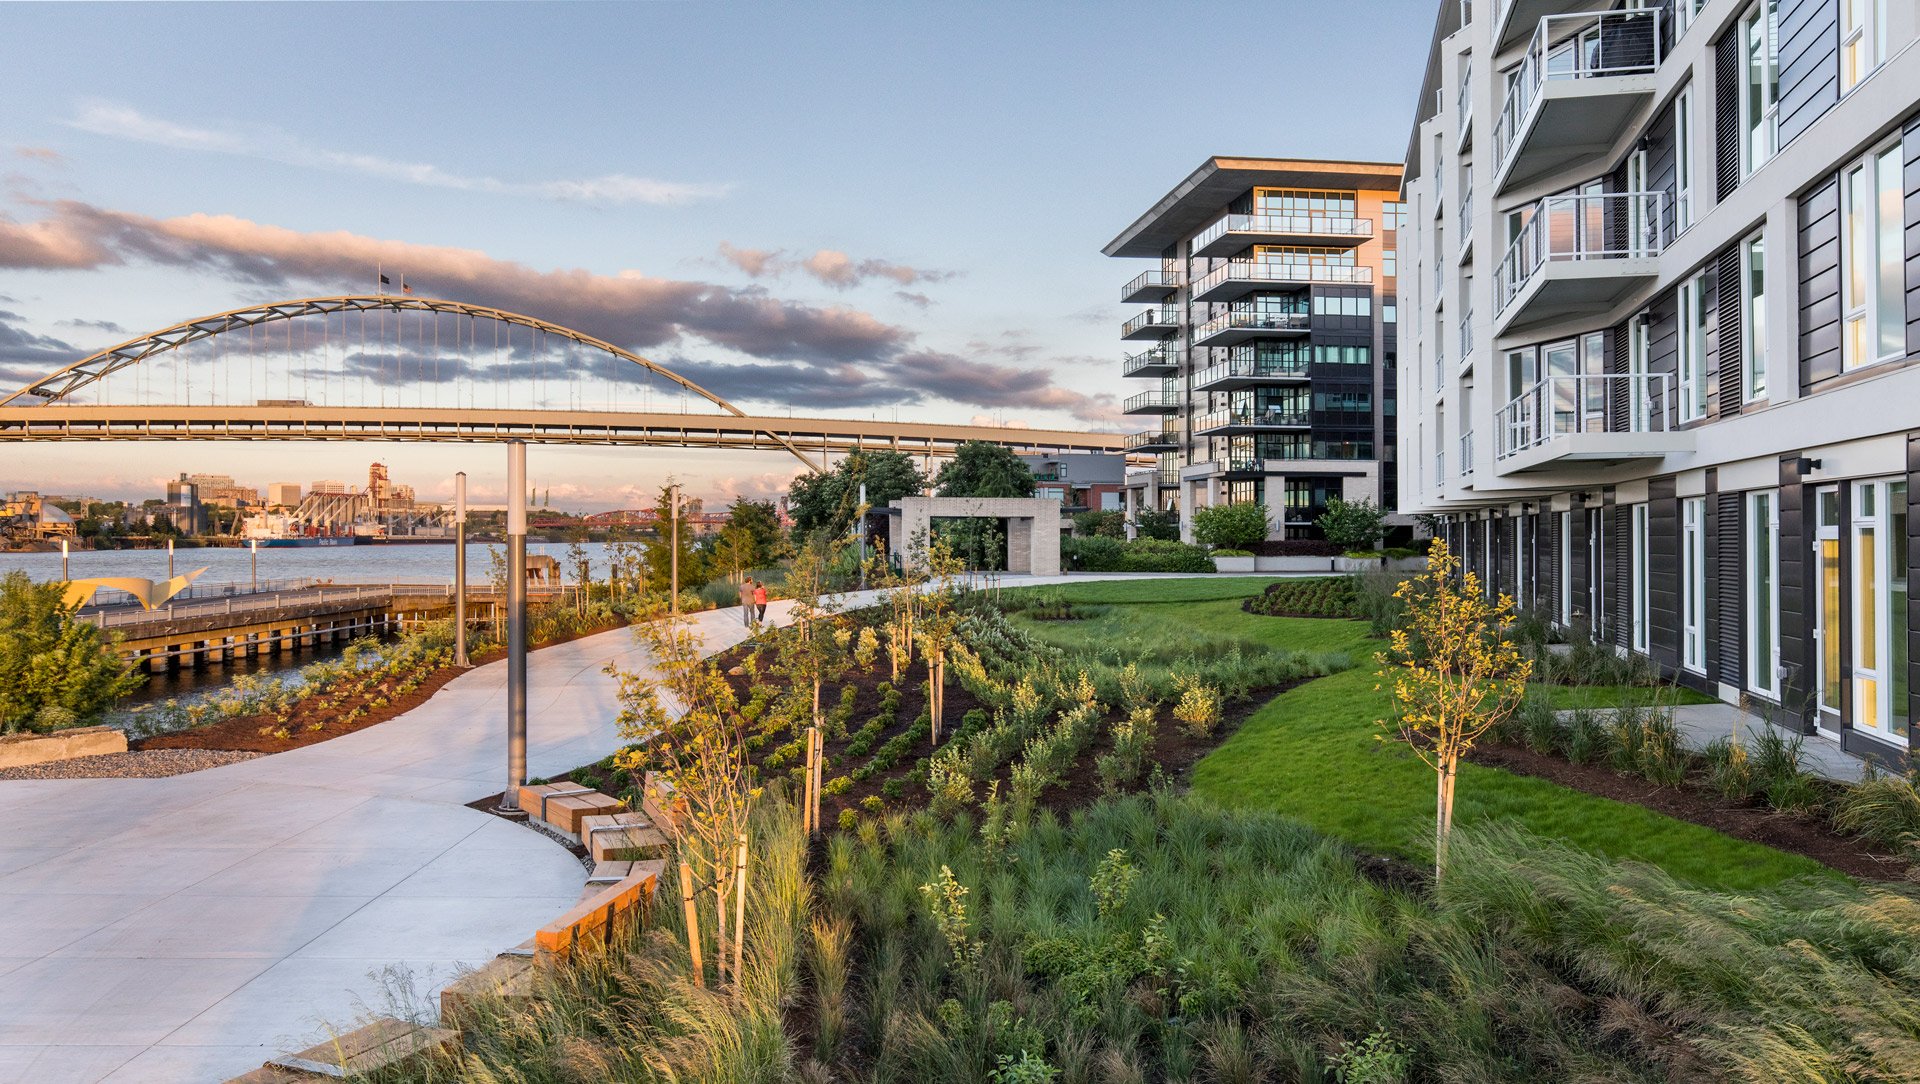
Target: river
414, 563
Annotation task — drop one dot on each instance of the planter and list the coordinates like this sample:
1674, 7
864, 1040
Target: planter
1235, 564
20, 750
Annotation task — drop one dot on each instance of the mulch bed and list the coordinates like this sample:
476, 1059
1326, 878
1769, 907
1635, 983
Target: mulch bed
245, 733
1796, 833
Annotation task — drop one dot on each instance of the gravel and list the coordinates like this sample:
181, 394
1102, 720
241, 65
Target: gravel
150, 764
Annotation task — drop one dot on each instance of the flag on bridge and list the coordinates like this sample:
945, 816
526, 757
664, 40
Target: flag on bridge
385, 281
404, 288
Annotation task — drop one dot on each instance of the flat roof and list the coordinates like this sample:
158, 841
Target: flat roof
1220, 180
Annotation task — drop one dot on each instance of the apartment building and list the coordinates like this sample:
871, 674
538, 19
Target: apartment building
1661, 305
1267, 343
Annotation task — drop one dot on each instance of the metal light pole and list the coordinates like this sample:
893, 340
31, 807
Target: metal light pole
63, 561
254, 560
169, 558
516, 624
674, 585
460, 569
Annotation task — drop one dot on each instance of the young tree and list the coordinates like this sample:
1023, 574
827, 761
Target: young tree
979, 469
752, 537
54, 671
700, 750
581, 566
1100, 523
813, 652
1454, 674
1232, 526
1352, 525
1157, 524
938, 625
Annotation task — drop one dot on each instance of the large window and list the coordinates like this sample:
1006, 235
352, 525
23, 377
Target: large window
1759, 85
1753, 315
1683, 159
1879, 629
1863, 40
1639, 573
1693, 348
1763, 593
1693, 583
1872, 270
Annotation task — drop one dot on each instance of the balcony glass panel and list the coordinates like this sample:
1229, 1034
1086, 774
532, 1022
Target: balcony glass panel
1581, 45
1611, 226
1565, 404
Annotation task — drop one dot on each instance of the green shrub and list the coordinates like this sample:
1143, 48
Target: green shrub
1335, 596
1352, 525
1882, 808
1139, 555
1238, 526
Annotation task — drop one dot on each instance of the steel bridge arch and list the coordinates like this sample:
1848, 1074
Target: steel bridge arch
61, 383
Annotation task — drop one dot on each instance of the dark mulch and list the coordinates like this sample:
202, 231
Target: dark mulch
1798, 833
255, 733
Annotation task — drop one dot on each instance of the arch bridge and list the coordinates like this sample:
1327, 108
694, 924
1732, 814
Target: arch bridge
313, 368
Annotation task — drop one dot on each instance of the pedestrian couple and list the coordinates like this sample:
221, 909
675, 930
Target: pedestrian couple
753, 601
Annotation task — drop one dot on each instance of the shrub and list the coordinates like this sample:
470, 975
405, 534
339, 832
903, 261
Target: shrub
54, 671
1101, 523
1198, 709
1140, 555
1239, 526
1352, 525
1317, 597
1882, 808
1154, 524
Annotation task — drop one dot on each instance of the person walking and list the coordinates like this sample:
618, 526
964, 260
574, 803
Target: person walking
746, 601
760, 601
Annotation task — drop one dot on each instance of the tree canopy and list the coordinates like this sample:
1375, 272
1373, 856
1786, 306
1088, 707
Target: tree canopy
752, 537
827, 500
54, 671
979, 469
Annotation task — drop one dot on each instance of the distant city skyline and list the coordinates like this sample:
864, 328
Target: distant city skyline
844, 211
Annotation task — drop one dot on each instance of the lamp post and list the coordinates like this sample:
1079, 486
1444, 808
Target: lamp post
169, 558
460, 569
516, 624
63, 561
253, 559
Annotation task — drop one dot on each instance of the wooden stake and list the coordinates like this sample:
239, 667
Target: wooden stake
740, 918
693, 921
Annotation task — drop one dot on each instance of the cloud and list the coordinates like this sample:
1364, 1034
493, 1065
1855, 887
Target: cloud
277, 145
107, 326
917, 300
830, 266
41, 154
26, 356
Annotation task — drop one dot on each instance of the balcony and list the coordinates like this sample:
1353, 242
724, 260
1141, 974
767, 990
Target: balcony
1150, 286
1238, 278
1466, 454
1588, 421
1244, 369
1153, 440
1584, 78
1578, 256
1227, 423
1238, 327
1159, 361
1154, 402
1235, 233
1154, 323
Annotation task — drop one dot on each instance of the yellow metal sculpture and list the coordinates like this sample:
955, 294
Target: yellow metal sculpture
150, 594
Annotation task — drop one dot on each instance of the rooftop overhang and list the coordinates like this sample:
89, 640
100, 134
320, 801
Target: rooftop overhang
1198, 200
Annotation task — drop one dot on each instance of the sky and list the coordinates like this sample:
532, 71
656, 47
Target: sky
863, 210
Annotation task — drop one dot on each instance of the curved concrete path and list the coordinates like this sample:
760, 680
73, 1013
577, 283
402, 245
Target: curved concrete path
186, 929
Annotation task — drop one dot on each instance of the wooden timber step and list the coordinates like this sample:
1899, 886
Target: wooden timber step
598, 913
561, 806
622, 837
508, 978
385, 1043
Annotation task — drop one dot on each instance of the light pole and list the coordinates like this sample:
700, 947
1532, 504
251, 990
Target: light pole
253, 559
63, 561
169, 558
516, 624
674, 583
460, 569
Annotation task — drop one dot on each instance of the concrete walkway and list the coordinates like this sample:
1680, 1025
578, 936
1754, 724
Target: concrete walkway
186, 929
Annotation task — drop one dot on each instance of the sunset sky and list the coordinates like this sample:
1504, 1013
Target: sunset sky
881, 210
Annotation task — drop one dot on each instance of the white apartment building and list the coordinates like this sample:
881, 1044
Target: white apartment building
1660, 309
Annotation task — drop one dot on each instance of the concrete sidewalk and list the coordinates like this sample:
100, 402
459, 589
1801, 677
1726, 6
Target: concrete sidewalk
186, 929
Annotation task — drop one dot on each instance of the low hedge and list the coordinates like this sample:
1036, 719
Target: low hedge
1332, 597
1139, 555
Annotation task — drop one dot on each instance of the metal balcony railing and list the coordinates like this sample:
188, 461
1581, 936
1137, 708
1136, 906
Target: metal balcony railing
1151, 401
1146, 361
1466, 336
1152, 438
1271, 418
1562, 405
1149, 280
1162, 316
1466, 454
1248, 320
1581, 45
1242, 466
1440, 467
1246, 364
1614, 226
1167, 476
1299, 225
1281, 271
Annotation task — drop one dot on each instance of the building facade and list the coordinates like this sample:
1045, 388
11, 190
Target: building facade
1080, 482
1662, 309
1268, 339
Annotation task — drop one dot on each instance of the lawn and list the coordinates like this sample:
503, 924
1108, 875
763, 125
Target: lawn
1568, 697
1311, 753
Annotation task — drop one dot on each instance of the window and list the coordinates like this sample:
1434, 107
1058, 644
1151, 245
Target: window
1639, 573
1863, 40
1753, 315
1693, 348
1683, 159
1683, 14
1759, 85
1880, 608
1389, 264
1693, 583
1389, 311
1872, 271
1763, 593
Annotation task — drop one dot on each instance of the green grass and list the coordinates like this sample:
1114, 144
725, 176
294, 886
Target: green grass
1194, 589
1568, 697
1311, 753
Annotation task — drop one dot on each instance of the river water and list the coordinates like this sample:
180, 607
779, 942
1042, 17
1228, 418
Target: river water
422, 563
